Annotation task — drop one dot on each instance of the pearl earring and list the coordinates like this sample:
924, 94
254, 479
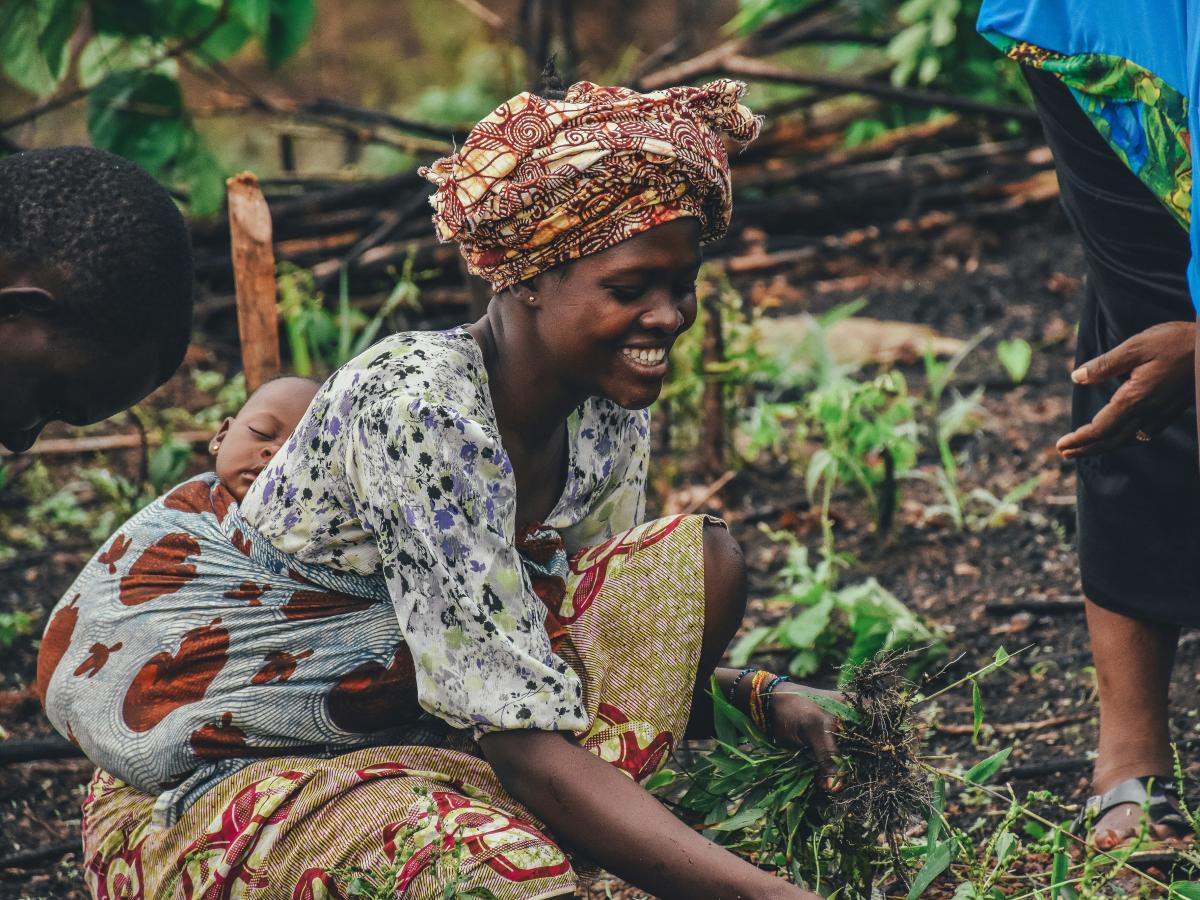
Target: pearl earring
533, 298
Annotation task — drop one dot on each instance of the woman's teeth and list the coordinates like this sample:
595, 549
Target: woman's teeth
651, 357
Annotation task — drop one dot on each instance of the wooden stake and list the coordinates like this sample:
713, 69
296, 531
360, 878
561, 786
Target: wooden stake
254, 277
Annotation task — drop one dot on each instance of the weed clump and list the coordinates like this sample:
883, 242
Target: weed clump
769, 803
884, 783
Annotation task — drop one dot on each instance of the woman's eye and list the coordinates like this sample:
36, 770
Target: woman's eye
625, 294
258, 434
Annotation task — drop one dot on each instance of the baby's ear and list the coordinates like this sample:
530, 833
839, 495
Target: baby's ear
215, 444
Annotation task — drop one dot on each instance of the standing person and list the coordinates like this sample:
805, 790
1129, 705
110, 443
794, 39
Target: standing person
1114, 84
95, 289
436, 640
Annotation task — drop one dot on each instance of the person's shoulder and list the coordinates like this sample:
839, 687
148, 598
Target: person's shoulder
415, 369
434, 378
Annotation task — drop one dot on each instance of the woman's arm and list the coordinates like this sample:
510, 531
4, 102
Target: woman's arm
595, 808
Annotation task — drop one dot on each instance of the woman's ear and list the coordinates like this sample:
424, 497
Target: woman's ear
17, 301
214, 445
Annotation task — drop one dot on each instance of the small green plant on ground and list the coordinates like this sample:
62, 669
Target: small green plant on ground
768, 804
1015, 356
15, 625
320, 340
831, 625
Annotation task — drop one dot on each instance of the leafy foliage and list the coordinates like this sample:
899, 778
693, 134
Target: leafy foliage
129, 69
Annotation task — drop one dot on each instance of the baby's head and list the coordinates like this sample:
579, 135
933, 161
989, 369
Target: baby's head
245, 444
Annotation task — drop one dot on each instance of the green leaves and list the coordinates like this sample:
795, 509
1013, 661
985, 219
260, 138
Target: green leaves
1015, 356
138, 115
936, 863
982, 771
288, 26
33, 41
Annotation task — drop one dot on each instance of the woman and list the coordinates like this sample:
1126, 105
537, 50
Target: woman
495, 476
1112, 83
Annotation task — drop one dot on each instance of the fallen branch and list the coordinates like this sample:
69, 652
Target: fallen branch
743, 66
1015, 727
712, 491
101, 442
37, 749
1037, 607
30, 859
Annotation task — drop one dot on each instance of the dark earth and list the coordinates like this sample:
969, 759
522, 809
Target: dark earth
1014, 585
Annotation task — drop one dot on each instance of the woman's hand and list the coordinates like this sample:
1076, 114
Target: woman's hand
1159, 363
798, 722
597, 809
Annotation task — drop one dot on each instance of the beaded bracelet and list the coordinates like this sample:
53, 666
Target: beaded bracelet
768, 694
758, 712
740, 675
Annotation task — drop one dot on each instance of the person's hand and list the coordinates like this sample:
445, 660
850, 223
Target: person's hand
798, 722
1158, 362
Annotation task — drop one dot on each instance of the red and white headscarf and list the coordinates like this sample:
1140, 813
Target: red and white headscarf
540, 182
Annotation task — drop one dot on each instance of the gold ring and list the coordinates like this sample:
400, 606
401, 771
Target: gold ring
1142, 436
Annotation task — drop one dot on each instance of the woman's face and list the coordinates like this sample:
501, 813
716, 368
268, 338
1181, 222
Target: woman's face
607, 321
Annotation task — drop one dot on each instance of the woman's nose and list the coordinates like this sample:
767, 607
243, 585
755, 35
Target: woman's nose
268, 450
665, 315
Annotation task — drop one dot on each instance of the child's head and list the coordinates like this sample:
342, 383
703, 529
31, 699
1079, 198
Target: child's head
96, 288
246, 443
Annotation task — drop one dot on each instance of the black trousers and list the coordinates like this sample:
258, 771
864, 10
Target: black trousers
1138, 506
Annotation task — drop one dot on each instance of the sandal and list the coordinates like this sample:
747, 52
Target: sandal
1159, 796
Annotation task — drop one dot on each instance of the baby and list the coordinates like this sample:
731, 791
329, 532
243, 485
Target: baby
144, 663
245, 444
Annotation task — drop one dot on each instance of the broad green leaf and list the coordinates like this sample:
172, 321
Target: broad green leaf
289, 26
981, 772
1004, 846
196, 170
1187, 890
744, 647
108, 53
936, 808
1060, 868
742, 819
804, 629
60, 19
1015, 356
936, 863
138, 115
659, 779
976, 711
33, 41
833, 707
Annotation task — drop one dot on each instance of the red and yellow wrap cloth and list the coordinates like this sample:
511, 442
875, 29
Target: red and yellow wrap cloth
540, 182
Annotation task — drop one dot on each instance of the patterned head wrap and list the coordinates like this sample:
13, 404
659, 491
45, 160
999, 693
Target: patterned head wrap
540, 182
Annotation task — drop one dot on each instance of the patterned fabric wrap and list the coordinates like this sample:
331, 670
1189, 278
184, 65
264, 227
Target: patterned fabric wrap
421, 818
190, 646
540, 182
1142, 118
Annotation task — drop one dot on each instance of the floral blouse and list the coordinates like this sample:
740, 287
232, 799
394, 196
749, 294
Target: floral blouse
398, 467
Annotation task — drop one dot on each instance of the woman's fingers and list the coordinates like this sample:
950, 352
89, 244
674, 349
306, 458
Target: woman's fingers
1118, 361
1119, 417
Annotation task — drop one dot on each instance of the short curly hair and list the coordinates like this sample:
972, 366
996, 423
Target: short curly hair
113, 235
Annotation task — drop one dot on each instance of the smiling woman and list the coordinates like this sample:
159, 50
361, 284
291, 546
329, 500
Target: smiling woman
448, 562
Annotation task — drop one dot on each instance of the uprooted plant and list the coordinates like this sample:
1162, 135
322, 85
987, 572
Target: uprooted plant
768, 803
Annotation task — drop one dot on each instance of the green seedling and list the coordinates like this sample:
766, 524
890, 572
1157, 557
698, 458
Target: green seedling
1015, 356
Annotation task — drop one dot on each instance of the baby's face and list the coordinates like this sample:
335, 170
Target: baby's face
246, 443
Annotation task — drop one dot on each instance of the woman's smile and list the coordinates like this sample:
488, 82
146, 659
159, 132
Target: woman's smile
646, 362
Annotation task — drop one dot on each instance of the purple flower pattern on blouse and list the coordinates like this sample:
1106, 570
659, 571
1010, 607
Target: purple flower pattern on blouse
398, 468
